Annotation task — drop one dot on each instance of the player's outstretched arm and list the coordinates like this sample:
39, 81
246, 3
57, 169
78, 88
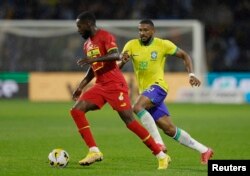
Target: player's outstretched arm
193, 80
110, 56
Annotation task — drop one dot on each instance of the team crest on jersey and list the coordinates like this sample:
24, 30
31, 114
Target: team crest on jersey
153, 55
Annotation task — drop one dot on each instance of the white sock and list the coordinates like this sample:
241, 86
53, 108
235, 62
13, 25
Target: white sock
161, 155
149, 123
184, 138
94, 149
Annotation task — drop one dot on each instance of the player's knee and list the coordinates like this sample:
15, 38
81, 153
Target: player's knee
81, 106
137, 108
126, 116
76, 111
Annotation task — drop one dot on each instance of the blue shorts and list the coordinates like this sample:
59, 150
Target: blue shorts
157, 96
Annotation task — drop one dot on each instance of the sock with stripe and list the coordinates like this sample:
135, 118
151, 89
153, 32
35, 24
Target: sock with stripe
184, 138
83, 127
143, 134
148, 122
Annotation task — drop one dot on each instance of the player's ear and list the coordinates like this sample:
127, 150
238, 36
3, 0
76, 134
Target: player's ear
89, 23
153, 31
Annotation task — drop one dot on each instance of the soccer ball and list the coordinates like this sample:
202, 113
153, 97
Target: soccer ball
58, 158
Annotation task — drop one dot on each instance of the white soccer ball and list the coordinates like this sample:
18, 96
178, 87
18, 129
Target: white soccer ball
58, 158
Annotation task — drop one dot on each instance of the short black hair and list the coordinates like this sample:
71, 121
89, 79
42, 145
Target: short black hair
87, 15
147, 21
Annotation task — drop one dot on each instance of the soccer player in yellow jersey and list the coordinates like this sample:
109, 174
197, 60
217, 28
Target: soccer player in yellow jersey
148, 55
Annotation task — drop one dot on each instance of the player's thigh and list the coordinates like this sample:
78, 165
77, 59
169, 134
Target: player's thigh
142, 102
159, 111
85, 106
93, 96
118, 100
155, 94
126, 115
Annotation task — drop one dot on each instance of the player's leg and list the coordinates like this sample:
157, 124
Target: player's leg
144, 102
119, 100
183, 137
143, 134
84, 104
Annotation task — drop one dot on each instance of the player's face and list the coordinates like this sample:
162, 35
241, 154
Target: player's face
146, 32
83, 28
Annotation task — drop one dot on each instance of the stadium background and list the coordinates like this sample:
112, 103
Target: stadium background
226, 26
30, 129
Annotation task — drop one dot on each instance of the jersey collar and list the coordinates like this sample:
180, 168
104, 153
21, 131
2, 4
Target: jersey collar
152, 39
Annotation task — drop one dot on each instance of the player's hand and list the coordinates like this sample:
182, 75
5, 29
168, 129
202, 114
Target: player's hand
76, 94
193, 81
124, 57
84, 61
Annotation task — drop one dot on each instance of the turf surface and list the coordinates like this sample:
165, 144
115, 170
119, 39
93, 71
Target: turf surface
29, 131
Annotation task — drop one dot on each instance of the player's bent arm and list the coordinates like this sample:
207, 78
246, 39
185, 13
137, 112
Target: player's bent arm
186, 59
110, 56
189, 67
87, 78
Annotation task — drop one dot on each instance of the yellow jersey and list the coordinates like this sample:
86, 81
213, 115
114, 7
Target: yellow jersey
149, 61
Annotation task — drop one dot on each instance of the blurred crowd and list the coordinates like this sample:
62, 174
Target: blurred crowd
227, 23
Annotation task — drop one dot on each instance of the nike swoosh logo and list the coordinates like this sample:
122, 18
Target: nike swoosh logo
135, 55
123, 104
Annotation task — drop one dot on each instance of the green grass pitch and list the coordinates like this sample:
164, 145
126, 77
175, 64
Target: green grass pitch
29, 131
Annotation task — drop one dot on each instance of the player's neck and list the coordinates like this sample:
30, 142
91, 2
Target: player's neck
94, 31
147, 42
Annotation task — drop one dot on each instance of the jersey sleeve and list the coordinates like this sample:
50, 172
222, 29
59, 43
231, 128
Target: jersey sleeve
110, 42
171, 48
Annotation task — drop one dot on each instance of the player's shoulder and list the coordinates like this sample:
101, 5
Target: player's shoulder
133, 42
162, 41
104, 32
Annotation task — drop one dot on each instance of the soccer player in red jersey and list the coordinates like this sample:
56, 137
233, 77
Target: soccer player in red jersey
110, 87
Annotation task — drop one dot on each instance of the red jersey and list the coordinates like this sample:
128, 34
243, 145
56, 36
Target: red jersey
99, 45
